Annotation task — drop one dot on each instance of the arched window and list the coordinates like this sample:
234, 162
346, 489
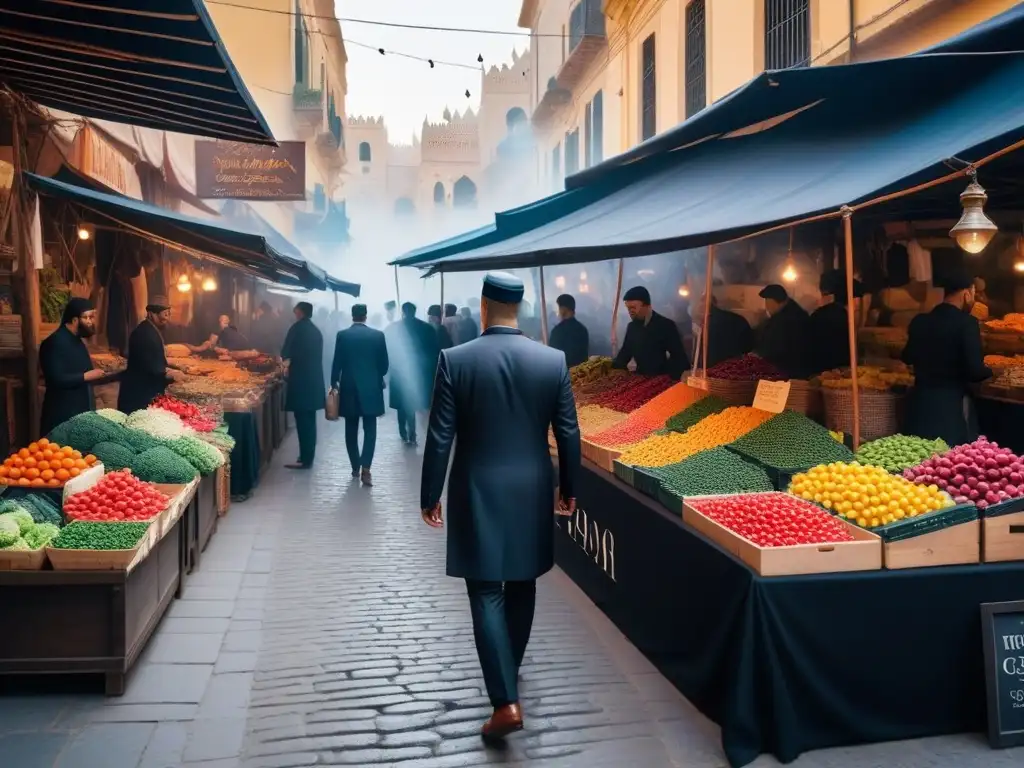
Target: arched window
404, 207
464, 193
365, 153
515, 118
439, 193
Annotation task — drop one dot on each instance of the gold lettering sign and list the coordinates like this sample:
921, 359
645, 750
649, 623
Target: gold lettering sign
101, 160
233, 170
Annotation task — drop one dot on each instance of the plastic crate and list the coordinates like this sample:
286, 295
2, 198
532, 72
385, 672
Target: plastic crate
912, 527
647, 481
623, 471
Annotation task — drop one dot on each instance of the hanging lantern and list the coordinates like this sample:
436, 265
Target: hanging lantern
789, 274
209, 284
975, 230
184, 284
684, 291
83, 233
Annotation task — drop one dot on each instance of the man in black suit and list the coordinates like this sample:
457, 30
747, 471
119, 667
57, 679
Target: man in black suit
412, 350
148, 372
729, 333
495, 398
444, 339
570, 335
652, 340
304, 352
360, 365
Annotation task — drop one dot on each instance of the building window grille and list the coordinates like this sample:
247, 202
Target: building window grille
787, 34
649, 90
696, 58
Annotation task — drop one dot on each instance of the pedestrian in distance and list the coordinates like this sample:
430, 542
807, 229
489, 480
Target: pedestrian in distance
444, 338
357, 375
494, 400
570, 335
412, 350
451, 323
468, 329
303, 353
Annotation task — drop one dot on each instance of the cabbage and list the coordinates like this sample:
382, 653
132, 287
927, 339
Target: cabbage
22, 518
19, 545
203, 456
40, 535
87, 429
10, 531
158, 423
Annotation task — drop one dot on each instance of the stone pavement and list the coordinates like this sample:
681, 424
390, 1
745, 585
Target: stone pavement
321, 630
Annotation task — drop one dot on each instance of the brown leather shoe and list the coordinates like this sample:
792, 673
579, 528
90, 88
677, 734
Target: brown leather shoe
367, 478
505, 720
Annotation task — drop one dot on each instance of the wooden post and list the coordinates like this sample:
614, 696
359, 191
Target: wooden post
708, 283
543, 309
615, 310
851, 321
398, 292
30, 312
442, 295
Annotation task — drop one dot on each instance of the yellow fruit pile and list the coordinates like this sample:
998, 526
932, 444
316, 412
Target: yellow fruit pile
716, 430
597, 418
868, 377
867, 496
589, 371
1013, 322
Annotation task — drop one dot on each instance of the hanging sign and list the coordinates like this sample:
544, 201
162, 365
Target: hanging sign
232, 170
1002, 630
772, 396
102, 161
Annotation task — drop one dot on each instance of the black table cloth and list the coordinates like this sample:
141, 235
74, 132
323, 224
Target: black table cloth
245, 457
785, 664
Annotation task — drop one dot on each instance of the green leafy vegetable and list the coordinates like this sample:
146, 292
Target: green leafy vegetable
162, 465
113, 455
22, 518
10, 531
100, 536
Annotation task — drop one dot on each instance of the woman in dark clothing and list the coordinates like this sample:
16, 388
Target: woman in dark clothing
148, 372
829, 324
67, 368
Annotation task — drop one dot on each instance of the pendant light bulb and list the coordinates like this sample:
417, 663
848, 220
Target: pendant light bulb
975, 230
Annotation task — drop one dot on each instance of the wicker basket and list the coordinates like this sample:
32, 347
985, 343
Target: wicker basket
733, 392
805, 398
879, 412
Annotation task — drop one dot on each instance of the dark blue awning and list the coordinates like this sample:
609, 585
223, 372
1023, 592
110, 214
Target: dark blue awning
159, 64
852, 141
247, 252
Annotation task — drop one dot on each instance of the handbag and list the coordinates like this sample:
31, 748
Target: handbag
332, 406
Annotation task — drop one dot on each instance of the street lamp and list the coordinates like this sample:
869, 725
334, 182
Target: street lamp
975, 230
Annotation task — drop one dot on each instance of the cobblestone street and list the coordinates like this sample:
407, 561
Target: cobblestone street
320, 629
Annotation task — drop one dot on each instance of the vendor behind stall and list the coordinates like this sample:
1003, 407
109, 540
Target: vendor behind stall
784, 336
944, 347
228, 339
829, 325
67, 368
652, 340
729, 333
148, 372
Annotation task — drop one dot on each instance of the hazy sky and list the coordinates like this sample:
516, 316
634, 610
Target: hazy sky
404, 90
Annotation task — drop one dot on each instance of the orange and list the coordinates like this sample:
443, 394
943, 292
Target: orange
15, 473
38, 483
43, 442
47, 454
90, 459
53, 483
76, 455
24, 481
47, 474
30, 462
42, 465
33, 447
24, 453
74, 471
32, 473
9, 461
62, 474
4, 471
67, 463
80, 463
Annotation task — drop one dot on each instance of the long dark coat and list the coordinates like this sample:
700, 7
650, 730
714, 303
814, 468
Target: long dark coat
65, 360
495, 399
785, 341
413, 348
360, 365
304, 348
145, 378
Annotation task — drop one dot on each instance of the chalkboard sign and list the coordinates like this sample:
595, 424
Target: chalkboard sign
1002, 627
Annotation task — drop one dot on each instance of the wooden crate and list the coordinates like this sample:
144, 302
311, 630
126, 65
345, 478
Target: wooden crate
956, 545
33, 560
864, 554
92, 559
603, 457
1002, 538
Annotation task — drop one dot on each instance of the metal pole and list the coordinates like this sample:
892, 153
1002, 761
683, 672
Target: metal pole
398, 292
615, 310
707, 312
543, 309
442, 295
851, 321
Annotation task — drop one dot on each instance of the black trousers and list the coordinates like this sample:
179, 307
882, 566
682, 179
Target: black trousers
364, 458
407, 424
502, 620
305, 428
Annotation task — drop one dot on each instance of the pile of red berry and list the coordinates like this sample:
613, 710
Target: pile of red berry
192, 415
774, 519
118, 496
746, 368
636, 391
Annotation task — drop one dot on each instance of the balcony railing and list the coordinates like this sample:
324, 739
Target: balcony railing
586, 42
331, 141
585, 20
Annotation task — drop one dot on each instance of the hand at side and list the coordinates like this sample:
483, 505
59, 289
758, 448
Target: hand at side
433, 517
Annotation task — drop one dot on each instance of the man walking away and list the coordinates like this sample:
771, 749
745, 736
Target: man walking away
304, 353
451, 323
434, 318
389, 311
468, 329
412, 349
495, 398
570, 335
360, 365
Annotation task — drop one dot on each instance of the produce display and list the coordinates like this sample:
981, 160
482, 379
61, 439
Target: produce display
694, 413
898, 452
1010, 378
587, 392
1013, 322
868, 377
108, 362
162, 465
21, 533
593, 369
218, 439
100, 536
712, 472
980, 472
773, 519
113, 455
114, 415
867, 496
158, 423
259, 363
634, 392
791, 442
594, 418
37, 506
204, 457
117, 496
716, 430
44, 464
83, 431
1002, 361
192, 415
746, 368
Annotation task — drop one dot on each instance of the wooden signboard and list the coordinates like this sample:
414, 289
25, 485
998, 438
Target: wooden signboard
233, 170
1002, 629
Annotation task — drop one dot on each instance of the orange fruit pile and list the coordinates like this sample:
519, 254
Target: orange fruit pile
43, 465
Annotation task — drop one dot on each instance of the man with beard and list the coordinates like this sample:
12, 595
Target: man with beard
652, 340
148, 372
67, 368
412, 351
944, 347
